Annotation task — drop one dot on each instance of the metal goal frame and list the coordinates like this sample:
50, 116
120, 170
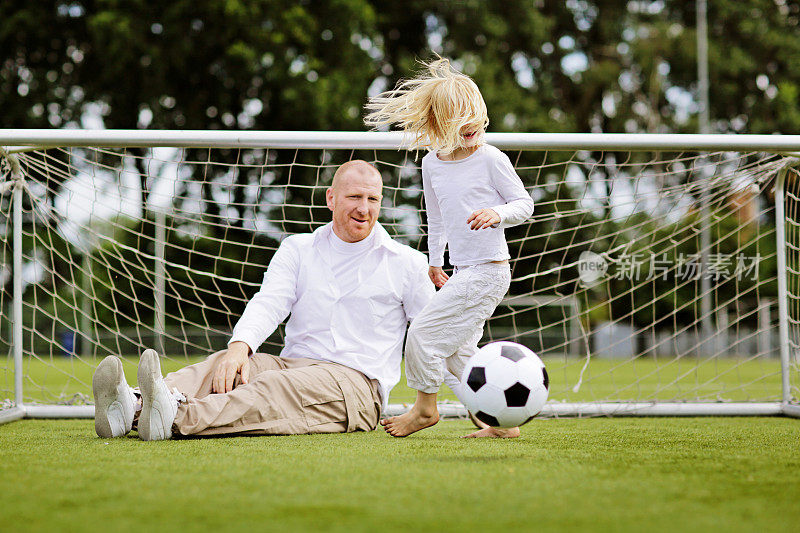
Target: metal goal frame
15, 141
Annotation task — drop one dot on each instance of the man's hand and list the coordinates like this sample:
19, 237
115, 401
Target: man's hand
437, 275
483, 218
235, 361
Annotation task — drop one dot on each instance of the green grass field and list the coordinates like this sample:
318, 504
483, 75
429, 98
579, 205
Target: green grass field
669, 474
686, 379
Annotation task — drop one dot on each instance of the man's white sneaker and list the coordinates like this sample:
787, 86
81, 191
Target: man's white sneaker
159, 405
114, 401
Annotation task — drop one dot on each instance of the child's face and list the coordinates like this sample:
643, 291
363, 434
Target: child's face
471, 135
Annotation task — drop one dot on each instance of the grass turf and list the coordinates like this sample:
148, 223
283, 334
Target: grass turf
669, 474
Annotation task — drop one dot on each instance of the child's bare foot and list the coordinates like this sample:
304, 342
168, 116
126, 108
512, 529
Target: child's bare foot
410, 422
497, 433
488, 431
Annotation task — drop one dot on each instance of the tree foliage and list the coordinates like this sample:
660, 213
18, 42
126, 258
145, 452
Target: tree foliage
579, 65
574, 66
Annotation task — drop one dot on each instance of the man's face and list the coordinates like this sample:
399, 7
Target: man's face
355, 201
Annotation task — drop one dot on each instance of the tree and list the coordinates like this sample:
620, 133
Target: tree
580, 65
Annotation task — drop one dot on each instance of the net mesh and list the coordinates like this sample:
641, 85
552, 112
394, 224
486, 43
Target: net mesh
647, 277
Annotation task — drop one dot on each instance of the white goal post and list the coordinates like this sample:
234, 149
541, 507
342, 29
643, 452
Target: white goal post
659, 274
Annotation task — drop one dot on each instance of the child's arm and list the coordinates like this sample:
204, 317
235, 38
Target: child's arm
519, 204
436, 236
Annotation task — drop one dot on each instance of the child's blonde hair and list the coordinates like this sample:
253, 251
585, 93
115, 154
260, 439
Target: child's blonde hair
434, 107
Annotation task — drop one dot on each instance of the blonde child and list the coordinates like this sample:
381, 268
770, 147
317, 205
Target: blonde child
472, 192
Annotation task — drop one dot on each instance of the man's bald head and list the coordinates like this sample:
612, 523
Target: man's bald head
356, 167
355, 199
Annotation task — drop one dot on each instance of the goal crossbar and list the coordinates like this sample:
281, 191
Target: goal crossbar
32, 139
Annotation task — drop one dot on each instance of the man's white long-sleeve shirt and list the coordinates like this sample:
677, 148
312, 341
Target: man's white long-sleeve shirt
350, 303
455, 189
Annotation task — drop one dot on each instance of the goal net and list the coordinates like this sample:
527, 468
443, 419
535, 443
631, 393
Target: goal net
649, 281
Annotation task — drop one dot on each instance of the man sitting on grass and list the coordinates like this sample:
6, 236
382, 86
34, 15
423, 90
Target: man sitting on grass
349, 291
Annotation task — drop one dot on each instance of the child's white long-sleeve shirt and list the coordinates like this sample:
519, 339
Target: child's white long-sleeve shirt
455, 189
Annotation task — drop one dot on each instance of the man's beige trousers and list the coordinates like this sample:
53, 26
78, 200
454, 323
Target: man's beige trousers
285, 396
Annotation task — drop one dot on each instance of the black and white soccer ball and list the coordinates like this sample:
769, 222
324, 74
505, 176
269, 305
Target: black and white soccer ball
505, 384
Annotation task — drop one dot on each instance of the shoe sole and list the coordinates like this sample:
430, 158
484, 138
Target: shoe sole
147, 375
104, 389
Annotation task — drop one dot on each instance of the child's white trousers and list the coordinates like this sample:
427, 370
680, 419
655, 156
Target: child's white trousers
451, 325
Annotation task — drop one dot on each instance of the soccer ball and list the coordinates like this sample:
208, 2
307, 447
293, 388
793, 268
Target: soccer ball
505, 384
